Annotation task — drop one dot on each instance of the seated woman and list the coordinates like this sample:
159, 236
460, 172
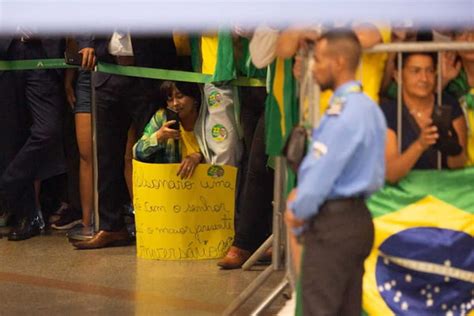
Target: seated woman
424, 134
172, 140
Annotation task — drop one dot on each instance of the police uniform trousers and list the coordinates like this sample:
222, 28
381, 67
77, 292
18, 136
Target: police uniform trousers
336, 244
121, 102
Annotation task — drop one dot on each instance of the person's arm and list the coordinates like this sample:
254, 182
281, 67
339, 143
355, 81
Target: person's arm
288, 43
368, 34
399, 165
455, 162
262, 46
154, 137
69, 77
292, 39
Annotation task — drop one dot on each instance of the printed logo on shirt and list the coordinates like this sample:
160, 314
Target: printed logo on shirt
214, 99
215, 171
319, 149
219, 133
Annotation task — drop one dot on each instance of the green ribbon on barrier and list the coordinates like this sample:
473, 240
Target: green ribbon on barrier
153, 73
34, 64
131, 71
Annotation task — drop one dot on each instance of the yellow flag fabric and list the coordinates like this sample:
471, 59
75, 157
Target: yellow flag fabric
209, 47
470, 136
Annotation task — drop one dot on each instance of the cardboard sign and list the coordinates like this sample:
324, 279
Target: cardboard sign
183, 219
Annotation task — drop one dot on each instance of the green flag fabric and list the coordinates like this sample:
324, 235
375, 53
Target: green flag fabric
281, 108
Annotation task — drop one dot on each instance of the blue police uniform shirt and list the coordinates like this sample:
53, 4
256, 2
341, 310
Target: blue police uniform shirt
346, 157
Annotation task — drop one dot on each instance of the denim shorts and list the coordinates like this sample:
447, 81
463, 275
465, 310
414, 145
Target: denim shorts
83, 92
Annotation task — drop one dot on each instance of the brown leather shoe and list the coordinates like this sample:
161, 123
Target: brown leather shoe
104, 239
234, 259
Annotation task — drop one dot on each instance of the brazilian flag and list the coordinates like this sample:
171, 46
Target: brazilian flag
281, 108
213, 54
460, 88
422, 261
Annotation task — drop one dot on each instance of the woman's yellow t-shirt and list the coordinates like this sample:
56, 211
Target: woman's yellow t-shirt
189, 144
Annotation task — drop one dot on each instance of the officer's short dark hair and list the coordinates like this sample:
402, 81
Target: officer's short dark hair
345, 43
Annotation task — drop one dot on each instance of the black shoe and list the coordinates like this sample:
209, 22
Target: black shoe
68, 220
25, 229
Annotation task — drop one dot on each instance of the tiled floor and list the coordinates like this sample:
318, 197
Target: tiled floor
45, 275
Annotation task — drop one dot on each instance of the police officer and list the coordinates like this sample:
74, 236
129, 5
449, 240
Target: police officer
343, 166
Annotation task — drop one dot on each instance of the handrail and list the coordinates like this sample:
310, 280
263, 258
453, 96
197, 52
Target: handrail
420, 47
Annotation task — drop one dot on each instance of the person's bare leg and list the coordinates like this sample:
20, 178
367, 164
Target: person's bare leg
84, 142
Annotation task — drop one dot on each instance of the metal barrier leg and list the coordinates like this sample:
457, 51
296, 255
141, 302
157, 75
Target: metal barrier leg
95, 162
249, 291
258, 253
275, 239
271, 297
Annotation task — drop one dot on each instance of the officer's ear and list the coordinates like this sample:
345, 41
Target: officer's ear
340, 62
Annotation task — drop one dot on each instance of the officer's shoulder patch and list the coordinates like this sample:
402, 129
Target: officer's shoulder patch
336, 106
319, 149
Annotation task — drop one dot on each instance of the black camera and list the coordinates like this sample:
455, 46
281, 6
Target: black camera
448, 142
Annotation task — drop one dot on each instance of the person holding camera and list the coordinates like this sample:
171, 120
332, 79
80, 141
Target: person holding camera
427, 129
169, 137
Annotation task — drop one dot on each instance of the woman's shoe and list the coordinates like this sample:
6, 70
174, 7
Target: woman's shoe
80, 232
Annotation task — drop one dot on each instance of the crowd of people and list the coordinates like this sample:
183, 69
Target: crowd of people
46, 138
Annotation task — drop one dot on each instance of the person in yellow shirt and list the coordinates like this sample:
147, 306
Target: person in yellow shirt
168, 139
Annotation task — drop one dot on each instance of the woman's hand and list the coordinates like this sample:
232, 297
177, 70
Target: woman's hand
451, 67
290, 219
188, 165
88, 58
428, 135
165, 132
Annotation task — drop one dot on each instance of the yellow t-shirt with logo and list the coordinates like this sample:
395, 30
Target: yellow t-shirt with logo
370, 72
189, 144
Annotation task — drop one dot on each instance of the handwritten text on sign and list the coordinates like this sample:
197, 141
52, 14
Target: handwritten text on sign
183, 219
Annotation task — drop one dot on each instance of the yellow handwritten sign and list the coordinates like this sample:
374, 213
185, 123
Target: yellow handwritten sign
183, 219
